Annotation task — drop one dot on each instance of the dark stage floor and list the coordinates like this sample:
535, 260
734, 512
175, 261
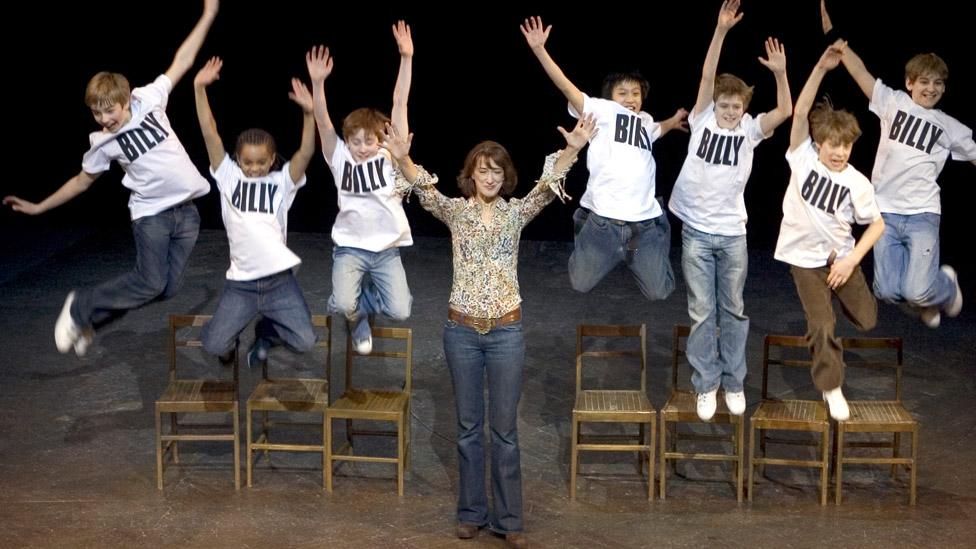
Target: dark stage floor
77, 466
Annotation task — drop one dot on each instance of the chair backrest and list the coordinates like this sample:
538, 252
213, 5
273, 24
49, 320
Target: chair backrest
177, 325
775, 354
323, 324
679, 354
401, 338
876, 353
604, 332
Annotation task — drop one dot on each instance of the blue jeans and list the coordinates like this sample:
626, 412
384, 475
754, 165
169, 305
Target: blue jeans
286, 318
906, 262
715, 270
470, 356
366, 283
601, 243
163, 245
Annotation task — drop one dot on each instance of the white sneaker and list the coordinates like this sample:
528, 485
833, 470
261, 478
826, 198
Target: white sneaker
931, 317
736, 401
84, 341
706, 404
837, 404
362, 337
955, 307
66, 332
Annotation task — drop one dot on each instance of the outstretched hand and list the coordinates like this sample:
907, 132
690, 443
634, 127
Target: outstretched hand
398, 146
319, 63
209, 73
825, 17
21, 205
534, 32
833, 55
300, 95
775, 56
404, 40
728, 15
584, 131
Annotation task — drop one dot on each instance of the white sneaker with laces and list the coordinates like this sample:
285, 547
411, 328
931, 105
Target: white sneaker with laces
931, 317
66, 332
837, 404
706, 404
955, 307
362, 337
736, 401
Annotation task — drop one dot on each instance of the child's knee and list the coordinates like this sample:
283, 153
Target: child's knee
306, 341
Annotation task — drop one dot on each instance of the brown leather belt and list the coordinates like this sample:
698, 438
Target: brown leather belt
484, 325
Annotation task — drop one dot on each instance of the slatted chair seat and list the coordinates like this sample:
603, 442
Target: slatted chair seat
291, 395
682, 407
604, 405
793, 415
183, 396
374, 404
876, 416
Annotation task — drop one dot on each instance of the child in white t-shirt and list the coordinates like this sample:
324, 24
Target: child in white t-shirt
619, 218
254, 203
367, 274
136, 133
826, 195
708, 197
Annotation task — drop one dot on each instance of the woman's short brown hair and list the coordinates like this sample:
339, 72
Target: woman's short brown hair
487, 150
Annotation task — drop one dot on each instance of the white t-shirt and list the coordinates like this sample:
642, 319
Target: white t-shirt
157, 169
915, 143
255, 213
708, 192
818, 209
371, 213
621, 184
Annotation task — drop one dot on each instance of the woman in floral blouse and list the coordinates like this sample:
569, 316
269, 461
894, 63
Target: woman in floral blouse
483, 333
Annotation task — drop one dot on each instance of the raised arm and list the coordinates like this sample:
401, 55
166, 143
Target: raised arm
319, 64
187, 52
842, 269
775, 61
299, 161
536, 37
801, 124
208, 125
70, 189
404, 40
727, 18
852, 62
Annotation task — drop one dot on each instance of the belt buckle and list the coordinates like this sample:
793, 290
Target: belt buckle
481, 325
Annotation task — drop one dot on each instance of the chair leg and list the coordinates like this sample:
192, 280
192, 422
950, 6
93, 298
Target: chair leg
838, 463
159, 450
752, 463
174, 429
663, 461
325, 446
651, 450
914, 465
327, 469
401, 446
250, 442
825, 444
266, 434
237, 446
673, 446
640, 440
895, 449
739, 447
574, 459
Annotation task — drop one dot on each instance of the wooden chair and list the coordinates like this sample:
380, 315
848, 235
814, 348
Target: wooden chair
292, 395
183, 396
682, 407
374, 404
788, 415
629, 405
876, 416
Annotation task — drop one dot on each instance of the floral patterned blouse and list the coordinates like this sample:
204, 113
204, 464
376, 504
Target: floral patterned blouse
486, 255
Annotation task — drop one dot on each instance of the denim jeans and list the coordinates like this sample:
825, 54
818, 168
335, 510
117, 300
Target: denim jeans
286, 317
367, 283
715, 268
906, 262
163, 245
471, 356
601, 243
